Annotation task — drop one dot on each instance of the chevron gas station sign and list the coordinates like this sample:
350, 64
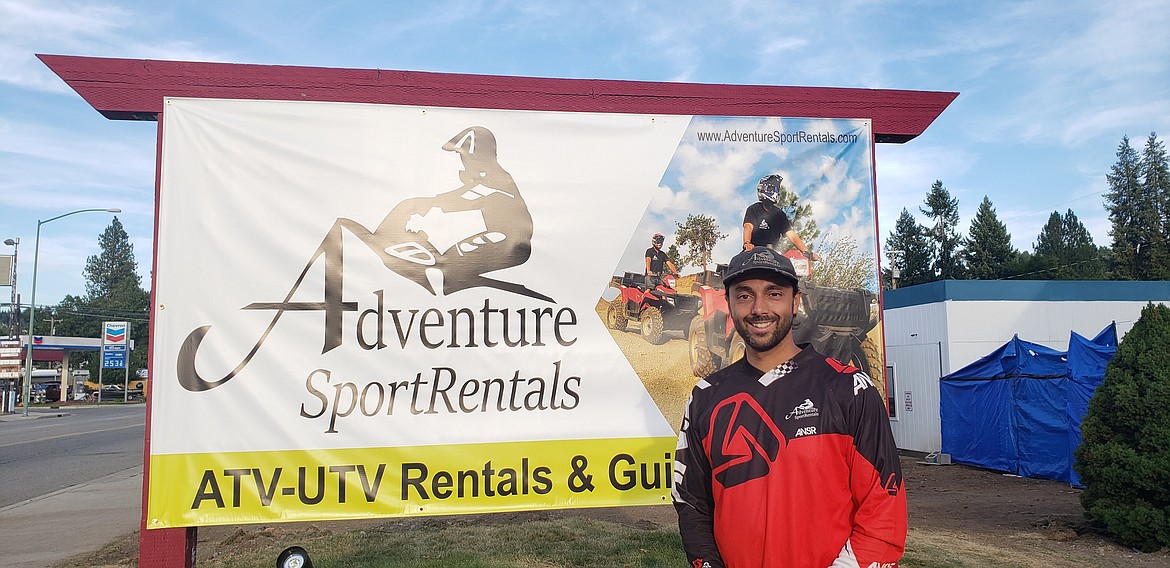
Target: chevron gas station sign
115, 344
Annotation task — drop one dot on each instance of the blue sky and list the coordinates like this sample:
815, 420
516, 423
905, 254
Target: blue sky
1047, 88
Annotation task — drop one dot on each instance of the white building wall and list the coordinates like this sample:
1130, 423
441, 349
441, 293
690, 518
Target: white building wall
915, 338
928, 341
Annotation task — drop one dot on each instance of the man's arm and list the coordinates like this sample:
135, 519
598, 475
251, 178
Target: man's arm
880, 522
692, 497
800, 246
747, 236
647, 265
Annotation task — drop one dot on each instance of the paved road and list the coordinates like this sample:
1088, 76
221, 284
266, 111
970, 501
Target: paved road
66, 448
70, 481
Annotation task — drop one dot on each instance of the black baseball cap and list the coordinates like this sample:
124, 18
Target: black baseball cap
763, 261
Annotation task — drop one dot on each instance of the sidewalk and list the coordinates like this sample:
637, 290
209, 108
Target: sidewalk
43, 531
34, 412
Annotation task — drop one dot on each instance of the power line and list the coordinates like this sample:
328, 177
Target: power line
1051, 268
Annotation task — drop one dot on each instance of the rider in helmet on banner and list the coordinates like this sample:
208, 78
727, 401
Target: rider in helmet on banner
764, 222
657, 263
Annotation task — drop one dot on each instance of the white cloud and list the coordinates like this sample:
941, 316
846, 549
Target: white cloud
668, 202
28, 27
1081, 70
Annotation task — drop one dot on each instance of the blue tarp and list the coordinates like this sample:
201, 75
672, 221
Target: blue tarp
1019, 408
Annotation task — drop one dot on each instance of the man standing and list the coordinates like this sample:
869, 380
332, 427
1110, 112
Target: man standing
765, 222
785, 457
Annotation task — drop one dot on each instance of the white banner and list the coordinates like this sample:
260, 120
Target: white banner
343, 276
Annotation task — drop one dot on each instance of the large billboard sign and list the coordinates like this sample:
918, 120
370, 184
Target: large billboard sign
376, 310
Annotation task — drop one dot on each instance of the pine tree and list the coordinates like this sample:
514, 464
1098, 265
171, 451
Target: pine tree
800, 215
943, 210
1082, 260
113, 293
1065, 251
989, 254
1049, 249
913, 251
1124, 456
1155, 183
1133, 216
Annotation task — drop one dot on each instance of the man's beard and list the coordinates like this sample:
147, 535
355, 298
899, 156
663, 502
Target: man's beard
766, 343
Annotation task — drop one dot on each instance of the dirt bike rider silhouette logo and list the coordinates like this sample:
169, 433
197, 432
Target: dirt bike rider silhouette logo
443, 243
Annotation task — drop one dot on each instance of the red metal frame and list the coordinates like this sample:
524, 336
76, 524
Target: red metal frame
133, 89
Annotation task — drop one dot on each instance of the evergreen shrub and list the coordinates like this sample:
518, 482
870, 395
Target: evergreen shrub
1124, 456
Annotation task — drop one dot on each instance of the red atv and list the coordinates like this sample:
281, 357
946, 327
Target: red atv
654, 303
834, 320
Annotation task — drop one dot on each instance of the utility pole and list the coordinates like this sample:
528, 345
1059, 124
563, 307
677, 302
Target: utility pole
52, 325
895, 257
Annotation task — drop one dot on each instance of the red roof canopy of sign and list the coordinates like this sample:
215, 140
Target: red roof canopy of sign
133, 89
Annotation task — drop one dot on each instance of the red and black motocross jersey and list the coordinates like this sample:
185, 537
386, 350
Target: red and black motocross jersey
792, 467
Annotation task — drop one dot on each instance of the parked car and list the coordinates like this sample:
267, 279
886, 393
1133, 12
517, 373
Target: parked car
45, 392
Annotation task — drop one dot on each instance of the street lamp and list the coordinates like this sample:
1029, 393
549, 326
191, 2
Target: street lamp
32, 304
13, 309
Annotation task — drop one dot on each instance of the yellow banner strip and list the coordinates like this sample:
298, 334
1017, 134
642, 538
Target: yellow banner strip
333, 484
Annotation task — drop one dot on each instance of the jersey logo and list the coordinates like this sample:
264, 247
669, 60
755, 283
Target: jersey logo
806, 431
892, 484
861, 381
805, 409
744, 441
764, 225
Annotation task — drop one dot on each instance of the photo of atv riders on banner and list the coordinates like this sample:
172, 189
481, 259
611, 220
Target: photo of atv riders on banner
813, 201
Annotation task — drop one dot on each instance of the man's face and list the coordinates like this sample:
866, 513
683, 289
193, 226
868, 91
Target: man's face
762, 310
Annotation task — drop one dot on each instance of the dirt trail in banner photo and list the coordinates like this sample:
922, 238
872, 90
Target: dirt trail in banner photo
959, 515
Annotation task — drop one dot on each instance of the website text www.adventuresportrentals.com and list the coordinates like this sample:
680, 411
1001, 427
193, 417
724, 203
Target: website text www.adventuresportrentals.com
776, 137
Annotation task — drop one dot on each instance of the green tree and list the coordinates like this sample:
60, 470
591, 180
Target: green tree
675, 256
113, 293
943, 211
1136, 223
699, 235
913, 252
1124, 456
800, 216
989, 254
1064, 250
1155, 183
1083, 260
1049, 250
843, 265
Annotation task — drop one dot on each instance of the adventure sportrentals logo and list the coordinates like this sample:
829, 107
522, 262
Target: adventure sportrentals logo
446, 244
805, 409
